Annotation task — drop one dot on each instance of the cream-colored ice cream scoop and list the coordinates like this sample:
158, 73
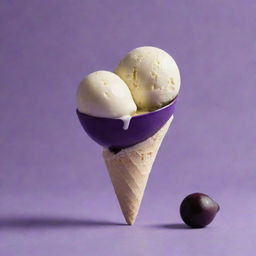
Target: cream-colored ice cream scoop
104, 94
152, 76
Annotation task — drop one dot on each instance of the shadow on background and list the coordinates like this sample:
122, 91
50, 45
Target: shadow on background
52, 222
171, 226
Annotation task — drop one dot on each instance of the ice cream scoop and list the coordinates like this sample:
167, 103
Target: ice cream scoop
104, 94
152, 76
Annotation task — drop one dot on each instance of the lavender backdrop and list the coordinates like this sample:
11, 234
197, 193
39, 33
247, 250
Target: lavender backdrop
55, 195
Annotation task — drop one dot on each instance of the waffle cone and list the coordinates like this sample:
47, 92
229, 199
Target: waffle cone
129, 170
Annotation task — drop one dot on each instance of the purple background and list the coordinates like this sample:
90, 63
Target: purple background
55, 194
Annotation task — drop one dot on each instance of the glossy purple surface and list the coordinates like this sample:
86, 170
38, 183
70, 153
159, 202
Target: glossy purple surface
109, 132
56, 198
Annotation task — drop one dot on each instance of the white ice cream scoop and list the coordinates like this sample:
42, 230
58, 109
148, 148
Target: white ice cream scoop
104, 94
152, 76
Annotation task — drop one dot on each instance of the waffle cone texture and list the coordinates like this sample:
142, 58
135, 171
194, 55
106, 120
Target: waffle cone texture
129, 170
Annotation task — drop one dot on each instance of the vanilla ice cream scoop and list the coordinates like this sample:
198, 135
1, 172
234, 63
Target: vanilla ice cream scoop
152, 76
104, 94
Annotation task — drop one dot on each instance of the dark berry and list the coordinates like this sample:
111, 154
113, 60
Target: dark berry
198, 210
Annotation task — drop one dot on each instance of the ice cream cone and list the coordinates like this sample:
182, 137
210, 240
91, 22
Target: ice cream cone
129, 170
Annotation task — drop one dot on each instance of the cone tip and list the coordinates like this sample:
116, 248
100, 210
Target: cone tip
129, 220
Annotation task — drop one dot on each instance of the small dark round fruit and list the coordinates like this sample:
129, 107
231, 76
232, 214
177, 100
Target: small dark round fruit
198, 210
